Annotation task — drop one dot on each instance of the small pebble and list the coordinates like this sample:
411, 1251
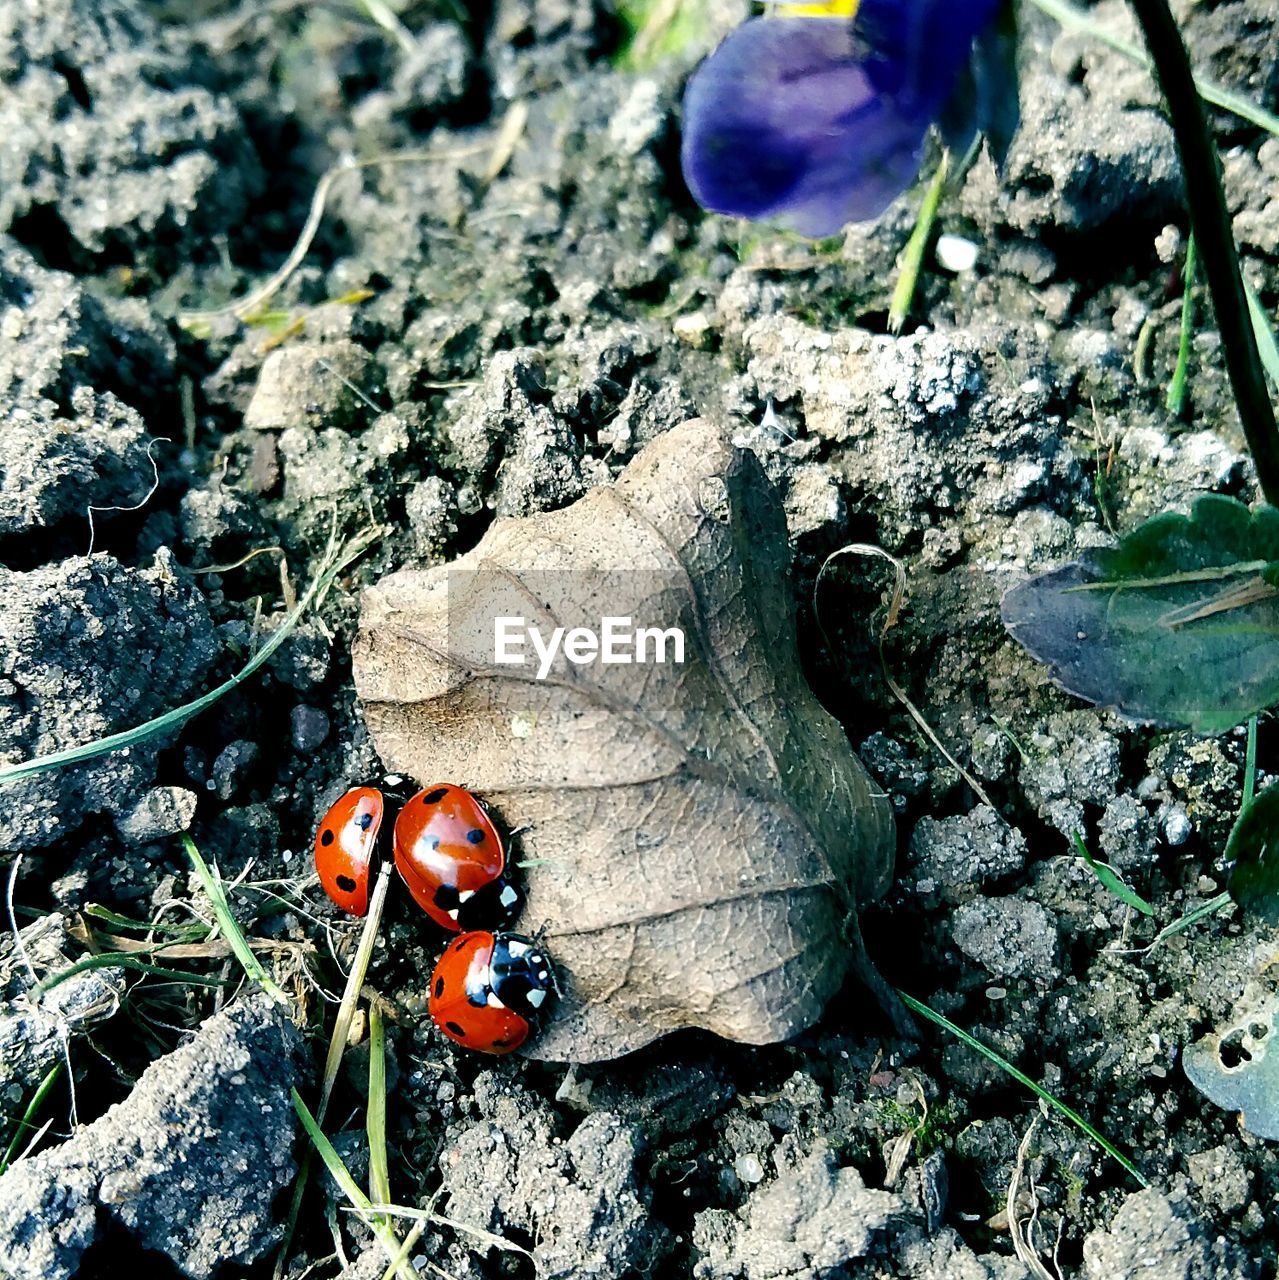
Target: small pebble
749, 1169
233, 763
955, 253
310, 727
163, 811
1177, 825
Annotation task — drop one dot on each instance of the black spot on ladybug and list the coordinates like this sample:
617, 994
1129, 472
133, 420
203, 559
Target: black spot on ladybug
455, 1029
346, 884
445, 897
439, 987
475, 835
501, 1044
326, 837
434, 797
364, 821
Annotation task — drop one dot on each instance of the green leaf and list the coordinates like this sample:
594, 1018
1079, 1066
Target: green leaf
1253, 847
1109, 879
1178, 626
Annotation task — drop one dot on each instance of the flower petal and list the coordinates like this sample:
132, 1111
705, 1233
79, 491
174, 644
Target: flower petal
782, 122
817, 122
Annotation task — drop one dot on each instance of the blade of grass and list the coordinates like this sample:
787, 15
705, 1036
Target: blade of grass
379, 1168
335, 560
354, 985
1038, 1090
1109, 880
1266, 344
916, 246
184, 932
414, 1235
1078, 20
1176, 401
1180, 925
212, 886
1250, 765
28, 1116
337, 1046
430, 1216
340, 1174
125, 960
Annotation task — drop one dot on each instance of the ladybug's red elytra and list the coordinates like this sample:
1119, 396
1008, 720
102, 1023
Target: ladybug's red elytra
489, 990
451, 857
446, 848
346, 847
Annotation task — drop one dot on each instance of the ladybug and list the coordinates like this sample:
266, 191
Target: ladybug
451, 857
346, 847
489, 990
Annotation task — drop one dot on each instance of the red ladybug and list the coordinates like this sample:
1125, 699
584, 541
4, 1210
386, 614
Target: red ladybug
489, 989
346, 847
450, 855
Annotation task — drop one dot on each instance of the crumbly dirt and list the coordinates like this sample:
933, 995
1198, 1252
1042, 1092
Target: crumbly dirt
464, 342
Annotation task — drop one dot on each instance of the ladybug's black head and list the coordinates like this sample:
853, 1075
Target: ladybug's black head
521, 976
492, 907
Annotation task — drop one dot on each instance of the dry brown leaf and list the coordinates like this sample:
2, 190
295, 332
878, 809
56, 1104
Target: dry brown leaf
698, 832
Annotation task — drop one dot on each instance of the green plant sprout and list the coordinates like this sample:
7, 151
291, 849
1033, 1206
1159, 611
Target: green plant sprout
379, 1166
337, 1046
1179, 386
27, 1122
913, 255
212, 886
1110, 879
377, 1222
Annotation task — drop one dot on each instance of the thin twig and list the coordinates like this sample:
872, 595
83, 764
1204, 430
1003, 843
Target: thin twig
264, 292
895, 605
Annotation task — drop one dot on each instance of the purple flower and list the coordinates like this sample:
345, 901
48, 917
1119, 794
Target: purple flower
814, 122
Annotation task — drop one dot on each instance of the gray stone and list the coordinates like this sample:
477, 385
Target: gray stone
506, 429
108, 123
189, 1164
163, 811
578, 1199
35, 1029
56, 336
53, 467
1010, 937
953, 854
809, 1220
232, 766
1070, 759
1126, 833
311, 384
89, 647
309, 727
1159, 1237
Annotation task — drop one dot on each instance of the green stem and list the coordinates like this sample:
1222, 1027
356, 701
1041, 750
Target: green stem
1210, 220
1176, 401
913, 255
